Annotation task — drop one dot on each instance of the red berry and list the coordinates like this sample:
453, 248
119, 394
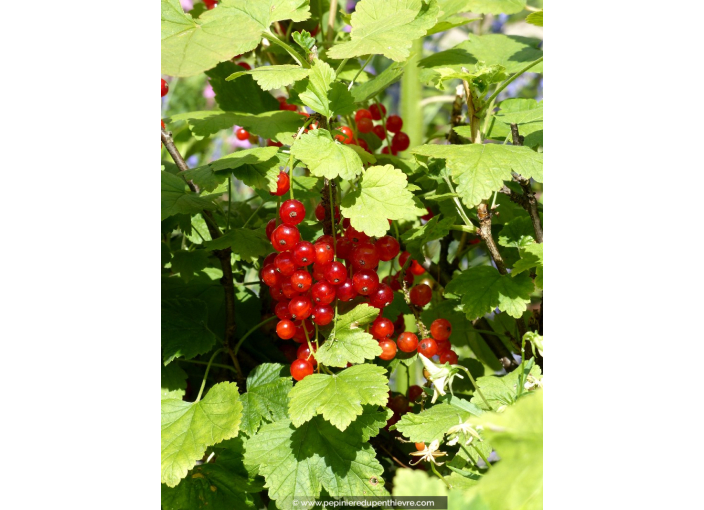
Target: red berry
346, 137
443, 345
400, 141
285, 329
292, 212
394, 123
448, 357
323, 253
414, 392
245, 65
284, 237
362, 114
363, 145
365, 125
210, 4
285, 263
407, 342
365, 281
301, 280
300, 369
304, 253
345, 223
325, 239
282, 184
322, 293
387, 247
276, 293
300, 307
382, 328
416, 268
270, 227
356, 236
376, 113
400, 324
365, 256
269, 259
344, 247
382, 296
346, 291
385, 150
428, 347
270, 276
320, 212
272, 143
288, 290
419, 446
291, 107
398, 404
281, 99
421, 294
281, 310
318, 273
441, 329
242, 134
164, 87
335, 272
322, 314
379, 131
429, 216
301, 328
388, 349
303, 352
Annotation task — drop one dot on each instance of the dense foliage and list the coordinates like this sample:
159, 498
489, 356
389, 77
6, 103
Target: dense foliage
351, 236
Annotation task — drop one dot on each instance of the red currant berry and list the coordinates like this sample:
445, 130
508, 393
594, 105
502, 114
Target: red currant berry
387, 247
210, 4
407, 342
318, 272
365, 256
285, 329
300, 307
443, 345
301, 369
428, 347
322, 315
346, 137
393, 282
365, 125
276, 293
292, 212
269, 259
355, 236
320, 212
270, 276
301, 328
448, 357
382, 296
164, 87
285, 263
377, 114
414, 392
362, 114
304, 253
398, 404
284, 237
393, 151
322, 293
441, 329
242, 134
429, 216
419, 446
400, 142
288, 290
245, 65
282, 184
346, 291
363, 145
301, 280
345, 223
325, 239
303, 352
388, 349
382, 328
335, 272
281, 310
394, 123
400, 324
344, 248
380, 132
365, 281
323, 253
291, 107
270, 228
416, 268
421, 294
272, 143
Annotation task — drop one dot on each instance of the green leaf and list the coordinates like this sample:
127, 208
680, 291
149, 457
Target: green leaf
531, 256
418, 237
502, 390
176, 198
338, 397
278, 125
448, 15
526, 110
512, 52
348, 342
173, 381
184, 329
248, 244
266, 397
431, 424
323, 95
479, 78
414, 482
535, 18
244, 96
204, 177
381, 195
187, 263
483, 288
244, 157
326, 157
517, 233
516, 110
390, 75
274, 77
387, 27
486, 6
187, 429
297, 463
304, 40
480, 169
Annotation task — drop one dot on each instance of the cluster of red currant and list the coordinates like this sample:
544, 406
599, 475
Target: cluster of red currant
400, 404
364, 120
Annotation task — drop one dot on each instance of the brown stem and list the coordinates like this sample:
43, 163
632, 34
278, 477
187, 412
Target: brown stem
456, 119
391, 455
471, 112
227, 280
527, 200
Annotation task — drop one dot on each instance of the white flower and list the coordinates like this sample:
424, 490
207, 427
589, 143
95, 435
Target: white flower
532, 383
441, 376
431, 451
465, 429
